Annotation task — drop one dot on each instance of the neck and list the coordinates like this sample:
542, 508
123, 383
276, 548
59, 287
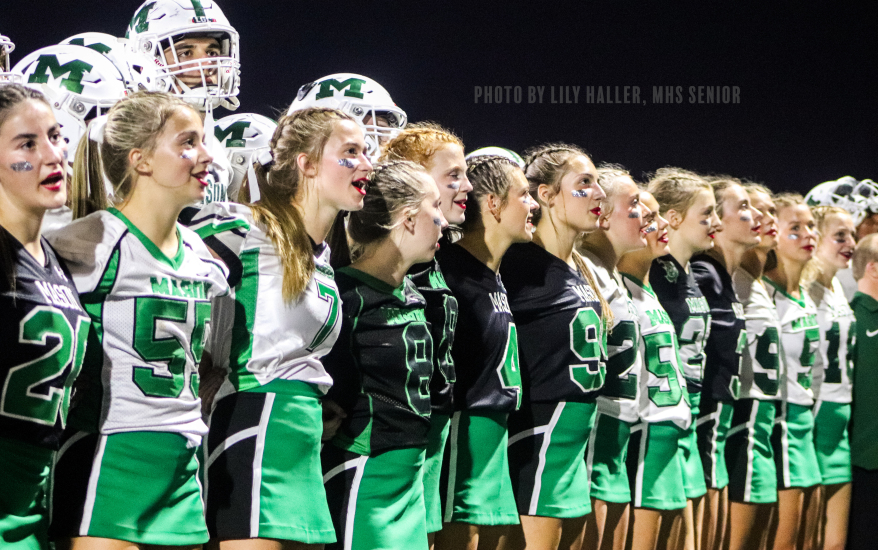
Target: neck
599, 244
383, 261
558, 242
25, 227
154, 218
825, 273
788, 275
728, 254
753, 262
317, 216
487, 245
680, 250
637, 264
868, 285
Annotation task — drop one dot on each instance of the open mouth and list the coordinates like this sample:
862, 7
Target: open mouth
361, 185
202, 178
808, 247
663, 238
712, 235
596, 211
461, 204
54, 181
847, 255
756, 229
529, 224
771, 232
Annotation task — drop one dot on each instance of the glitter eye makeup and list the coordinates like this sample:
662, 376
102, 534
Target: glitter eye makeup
746, 219
704, 222
793, 237
580, 193
634, 215
23, 166
437, 222
454, 186
651, 228
189, 154
347, 163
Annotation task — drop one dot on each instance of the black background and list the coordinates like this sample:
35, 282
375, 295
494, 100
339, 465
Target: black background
807, 72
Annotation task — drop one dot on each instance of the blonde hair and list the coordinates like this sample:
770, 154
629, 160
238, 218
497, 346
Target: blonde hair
866, 252
488, 174
676, 189
418, 143
720, 185
822, 215
610, 178
306, 131
782, 201
546, 165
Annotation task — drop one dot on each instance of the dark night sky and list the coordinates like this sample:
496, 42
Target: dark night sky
807, 73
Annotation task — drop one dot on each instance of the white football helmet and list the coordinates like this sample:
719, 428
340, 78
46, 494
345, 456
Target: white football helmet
243, 135
158, 24
6, 47
362, 98
139, 71
845, 193
79, 83
500, 152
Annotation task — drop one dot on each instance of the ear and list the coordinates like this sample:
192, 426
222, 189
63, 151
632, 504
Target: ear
306, 166
604, 222
141, 164
674, 219
544, 192
493, 203
408, 220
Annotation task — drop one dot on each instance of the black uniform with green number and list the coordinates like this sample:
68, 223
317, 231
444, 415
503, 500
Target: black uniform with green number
43, 331
679, 294
441, 312
381, 366
562, 350
475, 485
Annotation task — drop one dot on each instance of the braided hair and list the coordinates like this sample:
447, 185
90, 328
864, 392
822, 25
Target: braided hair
488, 174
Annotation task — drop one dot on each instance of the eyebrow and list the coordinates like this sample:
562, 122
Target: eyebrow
52, 128
187, 133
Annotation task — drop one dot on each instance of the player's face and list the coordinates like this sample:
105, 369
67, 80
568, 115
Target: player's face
33, 160
578, 203
516, 217
344, 168
768, 230
428, 223
656, 229
797, 237
380, 122
837, 243
701, 223
868, 226
741, 222
193, 49
179, 163
448, 169
626, 224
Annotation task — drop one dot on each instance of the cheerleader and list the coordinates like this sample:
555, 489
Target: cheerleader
381, 366
441, 153
477, 498
654, 468
749, 455
43, 327
622, 229
832, 385
147, 284
266, 425
560, 317
687, 202
798, 472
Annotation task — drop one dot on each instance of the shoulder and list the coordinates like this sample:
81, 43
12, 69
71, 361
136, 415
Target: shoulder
817, 292
218, 217
88, 240
706, 275
743, 283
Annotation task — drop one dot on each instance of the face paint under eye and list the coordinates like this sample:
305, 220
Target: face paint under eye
437, 222
704, 222
189, 154
454, 186
580, 193
746, 219
23, 166
64, 154
793, 237
634, 215
347, 163
651, 228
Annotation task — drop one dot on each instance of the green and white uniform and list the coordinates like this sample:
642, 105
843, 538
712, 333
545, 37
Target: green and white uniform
749, 454
654, 464
137, 422
618, 402
832, 384
793, 438
43, 330
263, 450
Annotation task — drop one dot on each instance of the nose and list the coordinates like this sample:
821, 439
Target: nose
534, 205
716, 221
465, 185
757, 215
203, 152
54, 153
599, 192
365, 163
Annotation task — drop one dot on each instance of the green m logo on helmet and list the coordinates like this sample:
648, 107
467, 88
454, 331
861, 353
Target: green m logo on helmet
97, 46
235, 133
74, 71
140, 23
351, 87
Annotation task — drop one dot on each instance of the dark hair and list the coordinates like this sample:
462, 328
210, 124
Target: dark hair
487, 174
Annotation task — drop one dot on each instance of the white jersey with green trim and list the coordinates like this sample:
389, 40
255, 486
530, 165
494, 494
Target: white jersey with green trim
151, 319
838, 330
800, 341
762, 365
663, 393
619, 396
219, 173
266, 337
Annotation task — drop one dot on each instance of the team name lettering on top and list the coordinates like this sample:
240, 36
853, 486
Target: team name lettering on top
585, 293
325, 270
738, 308
659, 317
181, 289
501, 302
805, 322
58, 295
699, 305
396, 316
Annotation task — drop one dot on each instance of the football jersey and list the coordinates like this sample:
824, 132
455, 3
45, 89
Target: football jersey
619, 396
267, 338
219, 173
838, 330
688, 309
56, 218
663, 395
728, 331
562, 343
761, 361
43, 333
485, 350
441, 312
150, 318
799, 341
381, 365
